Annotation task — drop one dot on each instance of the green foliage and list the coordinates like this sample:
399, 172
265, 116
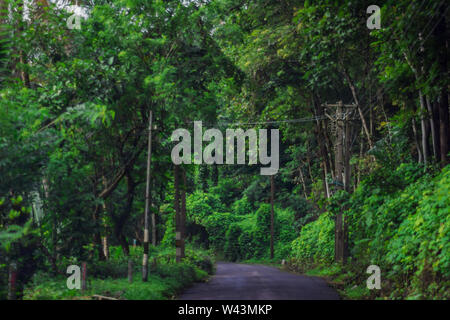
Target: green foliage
227, 190
165, 281
18, 242
421, 244
401, 224
200, 205
285, 233
242, 206
261, 234
217, 225
232, 250
316, 241
74, 106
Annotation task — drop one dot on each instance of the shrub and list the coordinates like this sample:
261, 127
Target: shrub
242, 206
316, 241
216, 225
200, 205
232, 249
401, 224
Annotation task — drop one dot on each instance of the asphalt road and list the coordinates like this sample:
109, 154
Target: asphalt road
234, 281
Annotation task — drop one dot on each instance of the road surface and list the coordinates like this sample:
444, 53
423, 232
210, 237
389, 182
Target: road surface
234, 281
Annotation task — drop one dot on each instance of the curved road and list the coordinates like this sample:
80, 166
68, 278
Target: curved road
234, 281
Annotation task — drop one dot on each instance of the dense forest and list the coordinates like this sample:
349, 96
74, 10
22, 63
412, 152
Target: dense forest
90, 99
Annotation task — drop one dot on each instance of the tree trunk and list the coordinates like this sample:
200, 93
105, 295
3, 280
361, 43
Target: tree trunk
105, 246
302, 179
434, 126
97, 239
124, 244
425, 127
416, 141
22, 56
120, 222
147, 201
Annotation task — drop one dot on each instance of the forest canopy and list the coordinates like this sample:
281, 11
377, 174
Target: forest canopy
91, 96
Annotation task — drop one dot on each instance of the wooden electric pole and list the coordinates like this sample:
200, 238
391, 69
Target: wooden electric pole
12, 278
272, 196
342, 175
178, 214
338, 243
147, 201
154, 228
183, 214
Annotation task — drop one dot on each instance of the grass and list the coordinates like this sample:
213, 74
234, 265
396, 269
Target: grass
340, 279
109, 278
160, 285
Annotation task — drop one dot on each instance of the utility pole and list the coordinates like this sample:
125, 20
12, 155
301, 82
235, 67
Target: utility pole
183, 214
12, 277
272, 196
147, 200
179, 245
339, 183
154, 228
342, 175
347, 178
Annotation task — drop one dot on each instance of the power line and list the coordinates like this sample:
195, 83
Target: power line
300, 120
367, 108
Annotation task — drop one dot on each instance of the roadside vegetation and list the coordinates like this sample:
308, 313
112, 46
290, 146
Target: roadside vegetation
398, 219
110, 278
363, 120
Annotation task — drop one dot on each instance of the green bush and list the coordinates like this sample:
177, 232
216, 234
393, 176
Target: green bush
109, 278
422, 241
285, 232
247, 244
401, 224
200, 205
232, 250
216, 225
242, 206
316, 241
